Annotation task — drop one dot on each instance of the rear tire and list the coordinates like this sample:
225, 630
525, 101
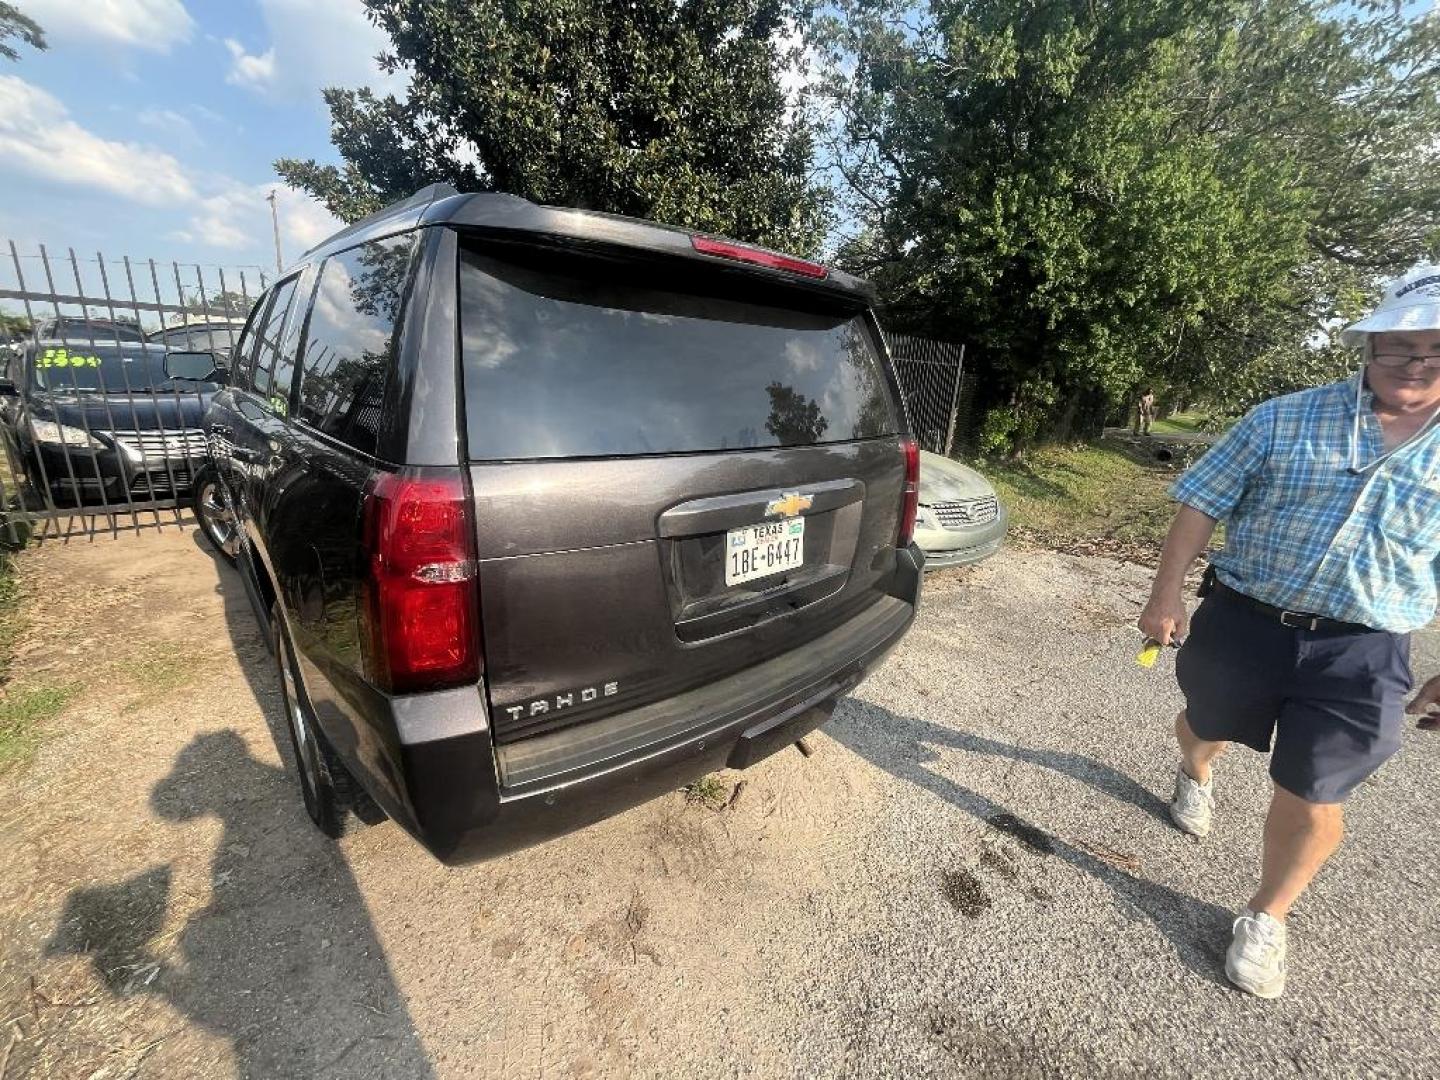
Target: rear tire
215, 511
335, 801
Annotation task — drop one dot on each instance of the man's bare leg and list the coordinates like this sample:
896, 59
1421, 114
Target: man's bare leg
1299, 837
1195, 752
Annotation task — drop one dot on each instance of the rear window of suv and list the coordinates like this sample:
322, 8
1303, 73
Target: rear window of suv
564, 361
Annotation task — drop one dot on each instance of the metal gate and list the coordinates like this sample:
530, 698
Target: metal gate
932, 378
97, 435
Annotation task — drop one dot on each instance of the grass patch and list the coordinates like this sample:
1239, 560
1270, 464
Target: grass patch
159, 673
1098, 492
1179, 424
22, 713
1192, 424
10, 621
708, 791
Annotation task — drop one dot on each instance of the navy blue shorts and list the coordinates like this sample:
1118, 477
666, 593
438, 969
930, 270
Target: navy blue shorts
1332, 700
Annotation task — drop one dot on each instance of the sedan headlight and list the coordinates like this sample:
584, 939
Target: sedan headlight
53, 434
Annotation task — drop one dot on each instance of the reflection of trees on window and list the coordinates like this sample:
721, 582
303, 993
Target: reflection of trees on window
875, 415
350, 340
377, 287
794, 420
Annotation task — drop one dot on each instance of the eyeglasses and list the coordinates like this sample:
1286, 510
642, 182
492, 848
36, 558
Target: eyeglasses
1399, 360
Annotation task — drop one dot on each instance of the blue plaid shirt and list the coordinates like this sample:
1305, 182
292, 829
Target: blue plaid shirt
1304, 532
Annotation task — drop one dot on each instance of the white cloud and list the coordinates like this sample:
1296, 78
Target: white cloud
169, 122
151, 25
38, 137
313, 44
250, 71
238, 217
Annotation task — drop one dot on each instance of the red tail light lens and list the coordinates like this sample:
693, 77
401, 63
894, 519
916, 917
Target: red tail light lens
910, 500
728, 249
422, 603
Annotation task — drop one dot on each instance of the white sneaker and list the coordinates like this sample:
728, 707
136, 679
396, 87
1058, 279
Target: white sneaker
1255, 961
1192, 804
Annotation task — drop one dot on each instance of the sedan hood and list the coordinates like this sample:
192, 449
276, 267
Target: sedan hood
943, 480
124, 412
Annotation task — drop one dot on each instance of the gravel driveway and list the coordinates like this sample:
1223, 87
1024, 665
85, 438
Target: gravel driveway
972, 876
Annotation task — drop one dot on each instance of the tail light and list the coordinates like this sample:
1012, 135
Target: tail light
910, 499
728, 249
421, 612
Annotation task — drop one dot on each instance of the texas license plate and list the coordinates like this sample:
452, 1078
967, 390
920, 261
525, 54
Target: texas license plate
757, 551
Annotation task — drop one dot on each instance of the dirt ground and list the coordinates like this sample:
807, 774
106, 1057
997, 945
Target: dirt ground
168, 910
966, 878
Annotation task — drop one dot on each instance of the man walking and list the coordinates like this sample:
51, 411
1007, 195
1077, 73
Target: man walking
1331, 499
1144, 411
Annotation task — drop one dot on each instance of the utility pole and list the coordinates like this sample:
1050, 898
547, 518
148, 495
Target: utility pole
275, 221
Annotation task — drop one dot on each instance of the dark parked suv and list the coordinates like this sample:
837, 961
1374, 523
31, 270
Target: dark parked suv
97, 421
550, 512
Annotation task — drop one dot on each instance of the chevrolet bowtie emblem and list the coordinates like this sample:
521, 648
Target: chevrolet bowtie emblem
788, 505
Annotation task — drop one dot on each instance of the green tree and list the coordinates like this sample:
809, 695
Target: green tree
662, 109
15, 326
14, 24
1095, 195
228, 303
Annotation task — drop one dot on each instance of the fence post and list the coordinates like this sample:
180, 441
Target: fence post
955, 402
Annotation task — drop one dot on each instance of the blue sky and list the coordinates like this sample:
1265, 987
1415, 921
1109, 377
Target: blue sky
148, 128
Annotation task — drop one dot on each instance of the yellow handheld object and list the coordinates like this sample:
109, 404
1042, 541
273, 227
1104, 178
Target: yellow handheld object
1149, 654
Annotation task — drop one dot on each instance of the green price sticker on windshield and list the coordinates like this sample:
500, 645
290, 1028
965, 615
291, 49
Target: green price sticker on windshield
58, 358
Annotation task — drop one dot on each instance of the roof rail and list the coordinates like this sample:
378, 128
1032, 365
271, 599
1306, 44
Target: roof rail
424, 197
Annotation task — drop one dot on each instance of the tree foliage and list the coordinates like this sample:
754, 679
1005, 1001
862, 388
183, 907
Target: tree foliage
227, 303
1092, 195
15, 24
655, 108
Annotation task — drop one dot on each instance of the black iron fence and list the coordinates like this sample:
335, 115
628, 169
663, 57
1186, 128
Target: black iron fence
937, 390
99, 425
98, 435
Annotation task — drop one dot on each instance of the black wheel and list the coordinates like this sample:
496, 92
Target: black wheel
215, 510
334, 800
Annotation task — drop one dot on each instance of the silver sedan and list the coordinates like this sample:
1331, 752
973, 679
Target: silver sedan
960, 520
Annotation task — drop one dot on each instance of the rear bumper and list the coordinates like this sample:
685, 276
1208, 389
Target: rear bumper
466, 799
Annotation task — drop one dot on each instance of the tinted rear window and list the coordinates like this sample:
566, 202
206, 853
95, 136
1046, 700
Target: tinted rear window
565, 364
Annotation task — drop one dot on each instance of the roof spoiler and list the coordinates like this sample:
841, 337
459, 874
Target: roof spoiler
421, 199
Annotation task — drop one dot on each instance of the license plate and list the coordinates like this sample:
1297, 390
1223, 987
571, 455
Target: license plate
757, 551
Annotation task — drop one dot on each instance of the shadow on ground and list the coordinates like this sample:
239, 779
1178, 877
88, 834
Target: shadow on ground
906, 748
283, 962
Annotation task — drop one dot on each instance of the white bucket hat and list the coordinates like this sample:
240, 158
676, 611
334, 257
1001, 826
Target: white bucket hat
1412, 302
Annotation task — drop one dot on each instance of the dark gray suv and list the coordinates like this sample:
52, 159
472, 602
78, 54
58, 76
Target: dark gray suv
548, 512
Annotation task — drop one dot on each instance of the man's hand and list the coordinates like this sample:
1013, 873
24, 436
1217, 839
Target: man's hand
1420, 705
1166, 620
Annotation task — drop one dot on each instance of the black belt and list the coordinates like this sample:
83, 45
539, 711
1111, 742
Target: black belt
1295, 620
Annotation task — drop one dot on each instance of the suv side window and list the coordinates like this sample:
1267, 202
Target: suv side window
350, 338
242, 367
273, 370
